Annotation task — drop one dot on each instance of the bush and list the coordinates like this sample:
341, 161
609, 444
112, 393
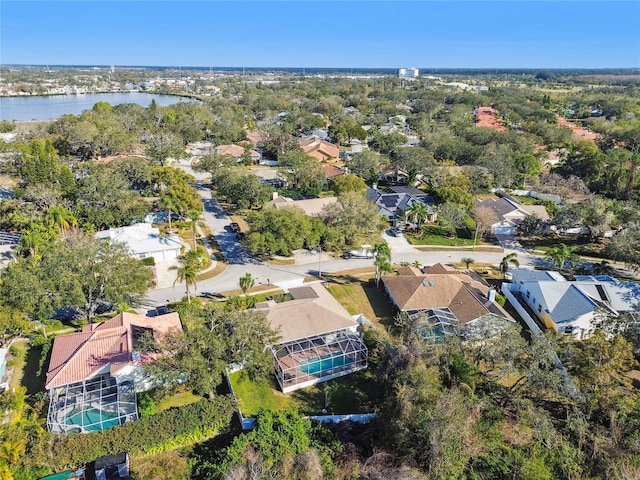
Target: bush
173, 428
146, 404
148, 261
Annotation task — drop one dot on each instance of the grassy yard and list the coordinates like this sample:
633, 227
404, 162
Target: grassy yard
354, 393
177, 400
359, 297
253, 396
583, 244
25, 367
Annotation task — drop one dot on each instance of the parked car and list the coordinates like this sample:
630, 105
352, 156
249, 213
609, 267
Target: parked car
395, 232
235, 228
364, 252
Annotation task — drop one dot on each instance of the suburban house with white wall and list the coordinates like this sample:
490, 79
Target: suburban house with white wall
94, 374
570, 307
143, 241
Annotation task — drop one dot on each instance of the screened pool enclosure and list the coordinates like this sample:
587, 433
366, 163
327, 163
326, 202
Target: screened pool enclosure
304, 362
94, 404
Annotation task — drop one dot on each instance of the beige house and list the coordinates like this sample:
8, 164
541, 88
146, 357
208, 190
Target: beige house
319, 149
319, 339
237, 152
509, 213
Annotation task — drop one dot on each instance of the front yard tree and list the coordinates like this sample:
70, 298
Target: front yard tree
303, 172
507, 262
352, 216
467, 261
78, 272
530, 225
382, 262
625, 246
561, 254
161, 146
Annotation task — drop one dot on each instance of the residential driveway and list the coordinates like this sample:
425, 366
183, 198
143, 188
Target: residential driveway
398, 244
510, 242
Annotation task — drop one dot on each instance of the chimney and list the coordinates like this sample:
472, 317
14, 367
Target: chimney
491, 294
274, 195
375, 186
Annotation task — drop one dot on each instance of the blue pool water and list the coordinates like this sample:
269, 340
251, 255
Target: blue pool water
91, 418
324, 363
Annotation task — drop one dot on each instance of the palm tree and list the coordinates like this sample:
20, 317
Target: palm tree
382, 262
191, 263
416, 264
170, 203
507, 262
194, 216
562, 253
467, 261
33, 238
246, 282
419, 211
61, 217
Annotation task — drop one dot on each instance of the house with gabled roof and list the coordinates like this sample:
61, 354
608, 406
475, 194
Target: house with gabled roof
509, 213
319, 149
441, 299
570, 306
94, 374
237, 152
394, 201
319, 339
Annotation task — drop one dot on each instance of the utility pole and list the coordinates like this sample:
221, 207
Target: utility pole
319, 258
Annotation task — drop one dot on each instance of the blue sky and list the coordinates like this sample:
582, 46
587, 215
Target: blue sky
427, 34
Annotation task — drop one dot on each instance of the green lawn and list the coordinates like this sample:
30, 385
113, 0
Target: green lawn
25, 365
177, 400
354, 393
253, 396
359, 297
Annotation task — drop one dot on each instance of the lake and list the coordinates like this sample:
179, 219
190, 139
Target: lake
54, 106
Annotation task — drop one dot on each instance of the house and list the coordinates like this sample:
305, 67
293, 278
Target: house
331, 172
394, 201
319, 340
319, 149
313, 207
94, 374
143, 241
570, 306
509, 212
237, 152
440, 299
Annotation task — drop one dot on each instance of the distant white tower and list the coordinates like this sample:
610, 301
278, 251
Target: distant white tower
113, 69
408, 73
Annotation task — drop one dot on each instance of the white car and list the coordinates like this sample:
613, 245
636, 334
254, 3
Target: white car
364, 252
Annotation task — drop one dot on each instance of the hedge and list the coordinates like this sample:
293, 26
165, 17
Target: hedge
173, 428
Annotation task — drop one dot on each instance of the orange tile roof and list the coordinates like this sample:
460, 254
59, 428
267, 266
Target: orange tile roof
487, 117
99, 346
318, 148
578, 132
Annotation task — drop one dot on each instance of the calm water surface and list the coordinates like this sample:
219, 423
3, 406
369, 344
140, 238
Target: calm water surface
52, 107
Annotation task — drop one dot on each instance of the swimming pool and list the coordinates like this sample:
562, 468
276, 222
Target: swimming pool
93, 419
324, 363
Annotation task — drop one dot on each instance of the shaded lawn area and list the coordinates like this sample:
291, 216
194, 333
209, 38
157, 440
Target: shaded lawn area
177, 400
25, 367
359, 297
354, 393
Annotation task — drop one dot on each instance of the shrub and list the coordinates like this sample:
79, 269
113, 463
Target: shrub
146, 405
173, 428
148, 261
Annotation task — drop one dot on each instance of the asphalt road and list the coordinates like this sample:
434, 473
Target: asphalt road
285, 276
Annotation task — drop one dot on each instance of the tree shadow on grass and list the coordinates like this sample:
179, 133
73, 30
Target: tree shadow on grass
380, 304
33, 382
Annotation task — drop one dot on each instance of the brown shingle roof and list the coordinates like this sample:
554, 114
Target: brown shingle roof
77, 356
318, 148
313, 311
465, 296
